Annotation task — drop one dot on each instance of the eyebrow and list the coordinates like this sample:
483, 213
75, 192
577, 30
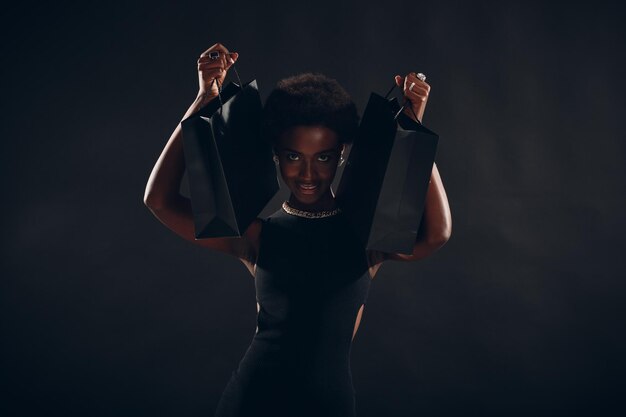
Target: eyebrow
325, 151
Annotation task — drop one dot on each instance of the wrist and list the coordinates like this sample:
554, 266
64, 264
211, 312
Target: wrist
412, 114
205, 96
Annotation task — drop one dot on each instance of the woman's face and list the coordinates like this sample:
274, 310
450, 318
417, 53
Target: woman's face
308, 158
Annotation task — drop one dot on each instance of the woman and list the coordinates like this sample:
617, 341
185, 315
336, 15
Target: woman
311, 275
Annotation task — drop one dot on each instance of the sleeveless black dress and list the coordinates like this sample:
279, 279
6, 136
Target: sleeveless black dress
311, 279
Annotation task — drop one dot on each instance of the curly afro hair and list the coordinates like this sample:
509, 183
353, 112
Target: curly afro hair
309, 99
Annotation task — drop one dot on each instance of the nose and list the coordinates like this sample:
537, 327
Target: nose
307, 171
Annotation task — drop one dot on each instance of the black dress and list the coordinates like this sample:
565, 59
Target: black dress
311, 279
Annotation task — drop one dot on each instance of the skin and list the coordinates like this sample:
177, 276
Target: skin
307, 154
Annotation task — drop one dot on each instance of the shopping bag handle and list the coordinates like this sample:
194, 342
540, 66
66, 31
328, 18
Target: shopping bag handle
219, 87
403, 106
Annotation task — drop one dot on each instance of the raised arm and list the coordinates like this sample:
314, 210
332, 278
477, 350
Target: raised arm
436, 226
162, 195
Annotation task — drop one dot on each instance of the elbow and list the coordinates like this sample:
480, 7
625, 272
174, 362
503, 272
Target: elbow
444, 234
429, 244
153, 202
154, 198
163, 202
436, 243
439, 239
435, 233
148, 199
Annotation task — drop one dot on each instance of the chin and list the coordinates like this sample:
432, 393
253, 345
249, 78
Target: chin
307, 198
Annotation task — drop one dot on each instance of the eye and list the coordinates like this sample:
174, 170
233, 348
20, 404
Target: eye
292, 156
324, 158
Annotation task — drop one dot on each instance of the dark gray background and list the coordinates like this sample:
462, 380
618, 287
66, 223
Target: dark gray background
105, 312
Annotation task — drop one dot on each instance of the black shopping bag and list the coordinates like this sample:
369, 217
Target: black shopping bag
229, 167
384, 184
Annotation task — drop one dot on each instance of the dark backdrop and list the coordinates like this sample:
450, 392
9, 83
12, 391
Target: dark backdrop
105, 312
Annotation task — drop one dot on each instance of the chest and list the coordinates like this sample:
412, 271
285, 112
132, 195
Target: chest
312, 260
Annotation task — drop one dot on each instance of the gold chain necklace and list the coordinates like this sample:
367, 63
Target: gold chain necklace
309, 214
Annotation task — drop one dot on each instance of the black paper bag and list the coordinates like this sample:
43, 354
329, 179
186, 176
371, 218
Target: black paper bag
384, 184
229, 167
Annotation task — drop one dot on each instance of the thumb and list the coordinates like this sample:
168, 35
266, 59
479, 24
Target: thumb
399, 80
232, 57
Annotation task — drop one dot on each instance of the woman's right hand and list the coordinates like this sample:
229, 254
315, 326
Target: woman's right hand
214, 69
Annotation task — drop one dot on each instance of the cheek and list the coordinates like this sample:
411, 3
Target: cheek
327, 174
330, 170
288, 171
330, 173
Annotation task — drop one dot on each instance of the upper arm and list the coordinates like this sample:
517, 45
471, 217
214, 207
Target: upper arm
178, 217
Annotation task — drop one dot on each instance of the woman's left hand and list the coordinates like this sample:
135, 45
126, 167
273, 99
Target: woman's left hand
417, 95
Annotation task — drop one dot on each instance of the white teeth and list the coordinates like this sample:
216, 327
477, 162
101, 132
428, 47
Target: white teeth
308, 187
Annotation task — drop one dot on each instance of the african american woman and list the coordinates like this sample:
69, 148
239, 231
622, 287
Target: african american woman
311, 274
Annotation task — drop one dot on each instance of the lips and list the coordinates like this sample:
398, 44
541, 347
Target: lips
307, 188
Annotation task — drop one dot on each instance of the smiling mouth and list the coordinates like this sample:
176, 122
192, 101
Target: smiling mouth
307, 188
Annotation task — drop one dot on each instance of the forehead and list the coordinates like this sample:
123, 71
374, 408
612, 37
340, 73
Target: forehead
309, 139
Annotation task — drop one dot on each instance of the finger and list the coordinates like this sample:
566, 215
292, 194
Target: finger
216, 47
414, 95
414, 74
207, 58
398, 79
416, 91
208, 74
211, 64
417, 88
212, 59
413, 79
425, 89
216, 57
232, 57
